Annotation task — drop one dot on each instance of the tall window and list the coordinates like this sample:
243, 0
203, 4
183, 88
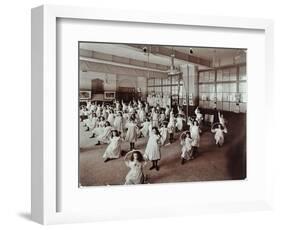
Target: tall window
223, 86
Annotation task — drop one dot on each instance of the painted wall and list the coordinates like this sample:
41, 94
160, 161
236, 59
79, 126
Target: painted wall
112, 81
87, 77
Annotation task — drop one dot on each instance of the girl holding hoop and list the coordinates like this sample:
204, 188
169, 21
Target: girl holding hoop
135, 161
219, 134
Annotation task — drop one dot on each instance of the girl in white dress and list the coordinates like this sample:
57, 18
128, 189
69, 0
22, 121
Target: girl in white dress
219, 135
222, 120
167, 111
179, 122
162, 117
180, 111
113, 150
99, 127
164, 132
135, 161
98, 111
124, 106
155, 118
104, 113
131, 135
117, 106
152, 151
146, 108
195, 136
142, 115
104, 137
92, 122
145, 128
186, 142
119, 123
110, 117
171, 126
199, 116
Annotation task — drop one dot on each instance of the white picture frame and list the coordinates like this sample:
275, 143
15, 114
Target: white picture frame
46, 181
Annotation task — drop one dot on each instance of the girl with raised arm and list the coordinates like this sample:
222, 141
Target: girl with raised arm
219, 135
135, 161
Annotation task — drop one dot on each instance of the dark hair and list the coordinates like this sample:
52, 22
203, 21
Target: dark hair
117, 134
157, 131
165, 124
107, 123
132, 118
196, 122
102, 118
139, 156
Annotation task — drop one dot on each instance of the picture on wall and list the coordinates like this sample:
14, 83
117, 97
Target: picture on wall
85, 95
109, 95
161, 114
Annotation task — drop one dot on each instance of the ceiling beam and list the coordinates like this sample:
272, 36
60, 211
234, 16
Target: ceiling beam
94, 55
89, 65
162, 50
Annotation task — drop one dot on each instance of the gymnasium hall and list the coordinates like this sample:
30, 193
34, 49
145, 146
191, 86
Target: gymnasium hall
161, 114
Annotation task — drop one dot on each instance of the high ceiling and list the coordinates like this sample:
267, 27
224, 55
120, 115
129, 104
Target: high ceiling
164, 58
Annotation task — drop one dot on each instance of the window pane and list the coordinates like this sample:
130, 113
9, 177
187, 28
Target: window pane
212, 96
225, 96
212, 76
219, 88
232, 87
242, 73
174, 80
206, 74
243, 97
219, 75
151, 82
225, 88
157, 81
232, 97
232, 76
242, 87
225, 75
212, 88
219, 96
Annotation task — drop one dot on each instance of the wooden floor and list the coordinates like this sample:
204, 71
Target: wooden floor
213, 163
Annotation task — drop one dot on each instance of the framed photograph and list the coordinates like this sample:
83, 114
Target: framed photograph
108, 95
85, 95
108, 161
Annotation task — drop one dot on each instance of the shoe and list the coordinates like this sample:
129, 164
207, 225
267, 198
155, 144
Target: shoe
87, 129
92, 136
157, 168
152, 167
98, 143
106, 160
182, 161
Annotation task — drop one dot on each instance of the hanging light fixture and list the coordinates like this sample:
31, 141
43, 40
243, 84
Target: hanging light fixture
173, 70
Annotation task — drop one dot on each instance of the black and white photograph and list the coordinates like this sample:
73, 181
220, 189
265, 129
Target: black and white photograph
151, 114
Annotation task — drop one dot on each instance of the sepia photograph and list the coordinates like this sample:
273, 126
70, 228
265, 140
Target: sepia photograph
151, 114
